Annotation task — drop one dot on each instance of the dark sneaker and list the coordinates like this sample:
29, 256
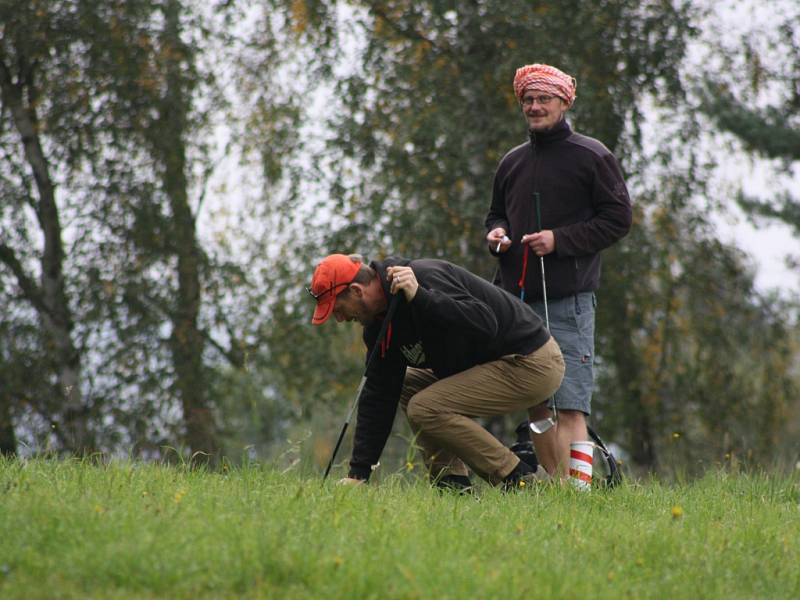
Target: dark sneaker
539, 477
459, 484
525, 478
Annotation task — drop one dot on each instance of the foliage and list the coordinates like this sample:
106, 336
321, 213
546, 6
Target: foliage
43, 140
121, 102
756, 97
695, 361
429, 111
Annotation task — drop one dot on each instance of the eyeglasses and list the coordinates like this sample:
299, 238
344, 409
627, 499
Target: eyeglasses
327, 291
542, 100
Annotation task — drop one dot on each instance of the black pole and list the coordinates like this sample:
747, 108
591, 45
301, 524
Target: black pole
384, 326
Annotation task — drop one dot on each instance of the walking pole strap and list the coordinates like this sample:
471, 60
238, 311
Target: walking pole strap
521, 282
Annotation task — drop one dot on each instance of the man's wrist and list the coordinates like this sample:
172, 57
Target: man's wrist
421, 298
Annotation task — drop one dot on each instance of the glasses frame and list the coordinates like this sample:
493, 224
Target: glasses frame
531, 100
329, 290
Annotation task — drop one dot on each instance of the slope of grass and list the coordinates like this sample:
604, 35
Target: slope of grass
130, 530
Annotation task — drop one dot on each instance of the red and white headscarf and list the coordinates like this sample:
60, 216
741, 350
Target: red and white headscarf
547, 79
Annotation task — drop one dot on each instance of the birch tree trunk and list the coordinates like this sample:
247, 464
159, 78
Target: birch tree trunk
48, 297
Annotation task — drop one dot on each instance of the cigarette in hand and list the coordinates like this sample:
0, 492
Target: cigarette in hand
500, 243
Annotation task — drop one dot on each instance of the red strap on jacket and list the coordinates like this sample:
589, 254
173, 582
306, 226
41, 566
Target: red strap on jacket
386, 341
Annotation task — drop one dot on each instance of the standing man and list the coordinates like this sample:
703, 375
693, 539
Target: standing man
457, 348
560, 196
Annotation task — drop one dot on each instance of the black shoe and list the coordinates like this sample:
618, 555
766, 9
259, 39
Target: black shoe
459, 484
524, 476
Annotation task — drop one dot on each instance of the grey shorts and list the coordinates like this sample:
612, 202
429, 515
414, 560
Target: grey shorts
572, 324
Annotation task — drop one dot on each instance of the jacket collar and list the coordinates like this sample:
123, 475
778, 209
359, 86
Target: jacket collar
380, 267
560, 131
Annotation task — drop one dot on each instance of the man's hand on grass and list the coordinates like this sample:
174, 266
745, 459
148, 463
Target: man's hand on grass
350, 481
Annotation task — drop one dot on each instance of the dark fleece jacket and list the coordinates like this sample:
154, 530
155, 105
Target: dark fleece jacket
583, 200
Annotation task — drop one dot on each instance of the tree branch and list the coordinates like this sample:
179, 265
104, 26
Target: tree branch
233, 355
24, 119
30, 290
407, 32
785, 208
767, 131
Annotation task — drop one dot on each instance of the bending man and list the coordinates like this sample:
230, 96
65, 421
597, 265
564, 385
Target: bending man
457, 348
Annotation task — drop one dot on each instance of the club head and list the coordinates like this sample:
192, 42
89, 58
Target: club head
542, 425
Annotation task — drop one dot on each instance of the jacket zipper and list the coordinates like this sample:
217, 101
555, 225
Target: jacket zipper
531, 209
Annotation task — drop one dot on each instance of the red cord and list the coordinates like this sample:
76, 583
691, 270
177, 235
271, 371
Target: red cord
386, 341
521, 283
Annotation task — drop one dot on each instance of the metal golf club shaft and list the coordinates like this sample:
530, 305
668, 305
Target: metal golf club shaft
543, 425
544, 294
346, 423
384, 326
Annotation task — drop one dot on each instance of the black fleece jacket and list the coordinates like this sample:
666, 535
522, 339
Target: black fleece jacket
583, 200
455, 321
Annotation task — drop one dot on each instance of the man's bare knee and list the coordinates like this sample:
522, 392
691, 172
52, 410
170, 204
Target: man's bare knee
540, 411
570, 417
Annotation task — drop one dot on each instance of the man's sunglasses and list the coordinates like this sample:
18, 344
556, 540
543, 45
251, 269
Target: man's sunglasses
327, 291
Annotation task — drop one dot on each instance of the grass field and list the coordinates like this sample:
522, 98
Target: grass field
131, 530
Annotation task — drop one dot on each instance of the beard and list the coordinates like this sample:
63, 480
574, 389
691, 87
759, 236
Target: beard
365, 316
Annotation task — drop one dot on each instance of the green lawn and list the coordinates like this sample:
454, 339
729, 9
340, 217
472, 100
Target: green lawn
134, 530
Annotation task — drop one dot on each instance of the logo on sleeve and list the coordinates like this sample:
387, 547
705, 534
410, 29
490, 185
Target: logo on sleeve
414, 354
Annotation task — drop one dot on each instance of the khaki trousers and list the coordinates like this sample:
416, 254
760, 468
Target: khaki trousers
442, 411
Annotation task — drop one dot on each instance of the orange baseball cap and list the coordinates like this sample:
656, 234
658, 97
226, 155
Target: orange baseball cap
331, 278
